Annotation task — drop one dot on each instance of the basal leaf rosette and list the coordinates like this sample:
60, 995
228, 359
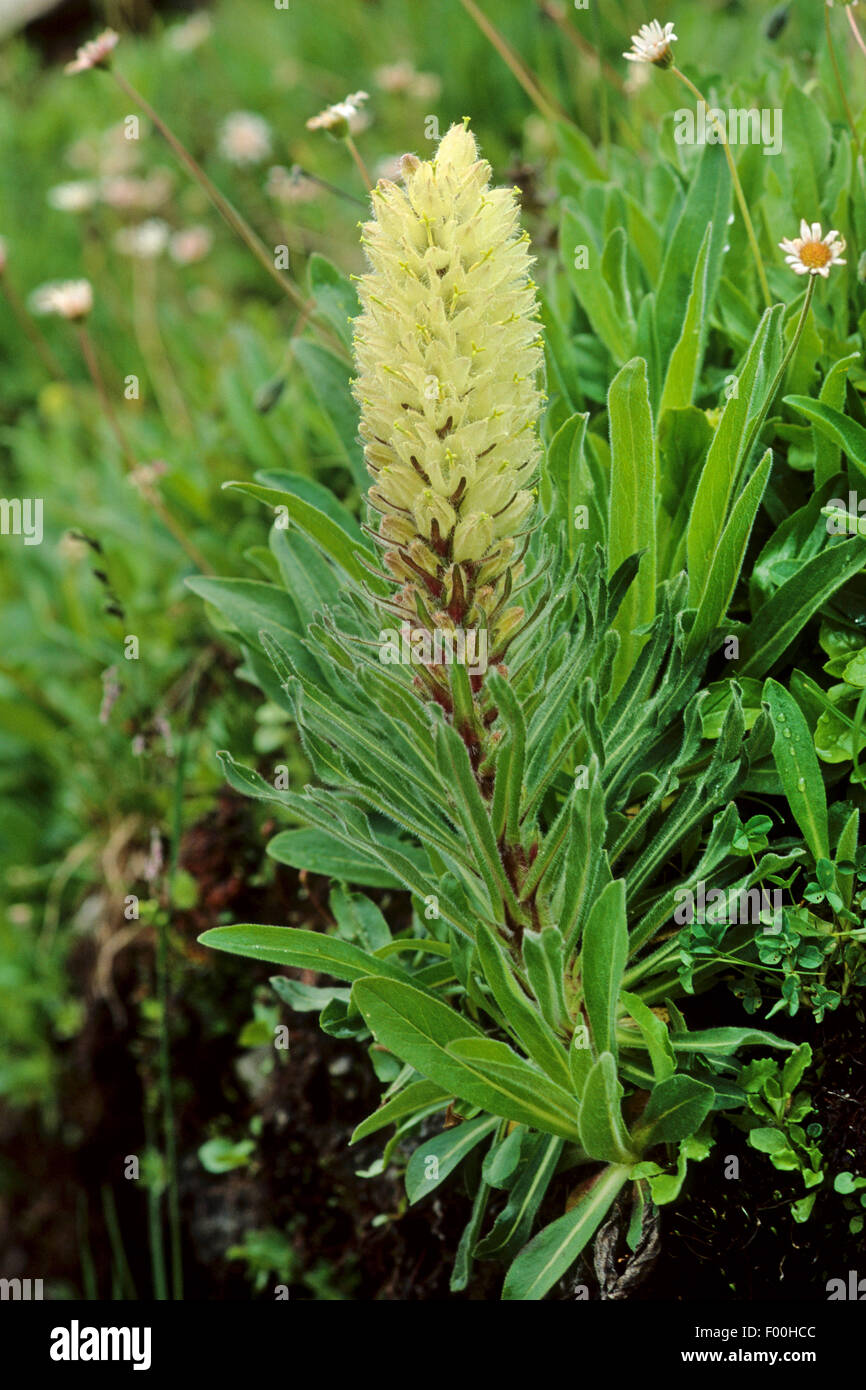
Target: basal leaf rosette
448, 357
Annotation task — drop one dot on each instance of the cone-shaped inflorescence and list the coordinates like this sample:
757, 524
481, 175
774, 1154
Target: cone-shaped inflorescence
448, 355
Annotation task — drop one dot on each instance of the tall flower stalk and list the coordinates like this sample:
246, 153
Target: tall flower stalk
652, 44
448, 354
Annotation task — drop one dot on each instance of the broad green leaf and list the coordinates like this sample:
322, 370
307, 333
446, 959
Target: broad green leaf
555, 1249
724, 571
591, 289
445, 1150
304, 999
251, 606
798, 768
603, 959
783, 616
544, 958
335, 297
725, 461
331, 539
847, 433
707, 204
724, 1042
828, 450
602, 1133
319, 853
676, 1108
654, 1033
536, 1036
546, 1105
305, 950
684, 367
420, 1030
359, 919
315, 495
330, 378
631, 508
417, 1096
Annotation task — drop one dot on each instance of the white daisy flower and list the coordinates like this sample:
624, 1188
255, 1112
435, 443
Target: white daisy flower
145, 241
68, 299
190, 245
244, 138
341, 119
75, 196
652, 44
95, 53
812, 254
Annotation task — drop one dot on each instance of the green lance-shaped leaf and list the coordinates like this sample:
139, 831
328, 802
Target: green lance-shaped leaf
677, 1107
536, 1036
844, 432
786, 613
509, 708
528, 1187
602, 962
555, 1249
421, 1031
798, 769
472, 814
552, 1108
446, 1151
544, 958
632, 525
725, 456
306, 950
685, 362
602, 1132
330, 378
845, 852
724, 571
653, 1031
415, 1098
331, 539
725, 1042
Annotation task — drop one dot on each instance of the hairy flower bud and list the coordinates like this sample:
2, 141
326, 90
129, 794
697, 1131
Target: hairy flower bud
448, 356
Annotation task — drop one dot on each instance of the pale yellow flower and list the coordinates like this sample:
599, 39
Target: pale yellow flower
448, 355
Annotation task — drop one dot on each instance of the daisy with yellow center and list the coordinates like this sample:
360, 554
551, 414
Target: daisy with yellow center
652, 44
812, 254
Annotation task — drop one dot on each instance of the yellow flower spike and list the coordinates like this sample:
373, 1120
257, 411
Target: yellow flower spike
448, 361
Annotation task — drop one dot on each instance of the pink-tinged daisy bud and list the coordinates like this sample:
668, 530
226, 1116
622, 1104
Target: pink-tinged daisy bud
95, 53
3, 254
448, 357
812, 254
